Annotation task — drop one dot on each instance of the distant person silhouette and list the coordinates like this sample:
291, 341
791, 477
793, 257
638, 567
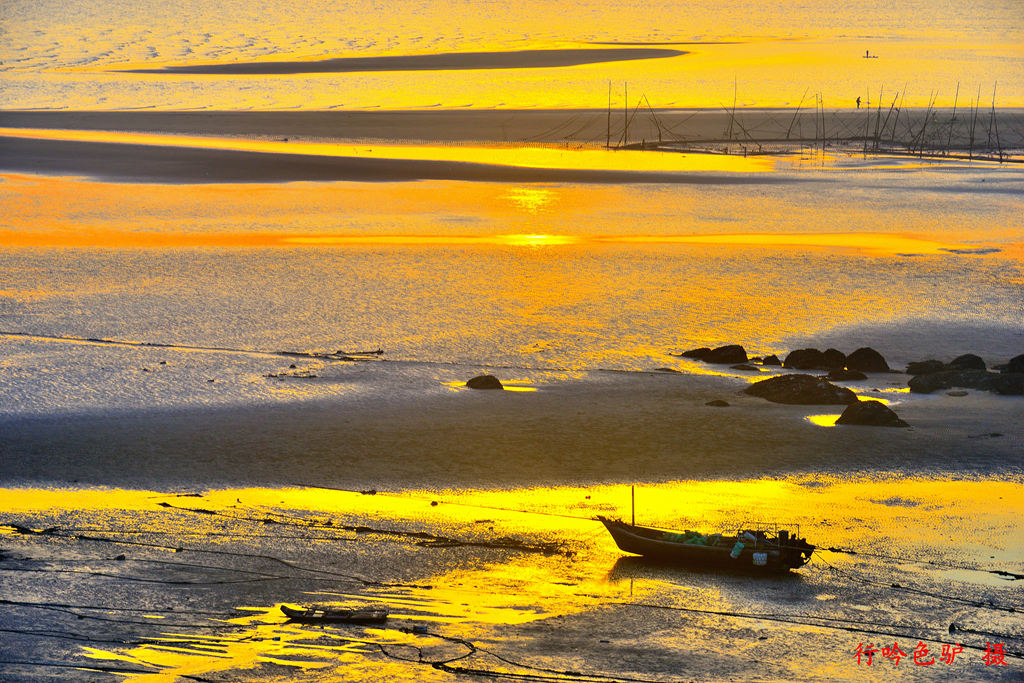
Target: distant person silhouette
858, 103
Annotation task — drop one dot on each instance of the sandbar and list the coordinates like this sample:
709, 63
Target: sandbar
134, 163
570, 127
453, 61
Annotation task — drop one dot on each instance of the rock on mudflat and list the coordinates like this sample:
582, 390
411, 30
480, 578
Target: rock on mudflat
1009, 383
866, 359
717, 403
484, 382
968, 361
804, 359
834, 359
801, 390
925, 367
870, 413
771, 360
947, 379
967, 372
733, 353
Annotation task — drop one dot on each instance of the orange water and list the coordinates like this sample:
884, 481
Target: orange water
70, 54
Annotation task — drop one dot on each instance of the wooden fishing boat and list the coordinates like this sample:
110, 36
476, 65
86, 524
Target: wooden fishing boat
761, 549
337, 615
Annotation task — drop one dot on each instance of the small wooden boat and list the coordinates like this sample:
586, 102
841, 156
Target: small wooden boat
759, 550
337, 615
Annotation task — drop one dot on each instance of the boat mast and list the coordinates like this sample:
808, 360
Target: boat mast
608, 134
632, 496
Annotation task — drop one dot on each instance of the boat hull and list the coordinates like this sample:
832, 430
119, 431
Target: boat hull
755, 557
336, 616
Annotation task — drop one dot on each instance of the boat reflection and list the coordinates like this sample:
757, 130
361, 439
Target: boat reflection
637, 568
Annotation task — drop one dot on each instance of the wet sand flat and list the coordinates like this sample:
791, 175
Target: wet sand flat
511, 126
416, 425
494, 585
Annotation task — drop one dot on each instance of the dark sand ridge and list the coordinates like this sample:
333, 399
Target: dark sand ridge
454, 61
629, 427
751, 127
666, 42
132, 163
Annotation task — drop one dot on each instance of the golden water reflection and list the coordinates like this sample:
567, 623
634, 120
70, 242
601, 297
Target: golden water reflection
563, 505
265, 638
512, 240
532, 199
47, 211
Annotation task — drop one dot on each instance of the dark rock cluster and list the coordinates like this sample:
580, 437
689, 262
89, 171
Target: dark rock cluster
967, 372
841, 367
799, 389
862, 360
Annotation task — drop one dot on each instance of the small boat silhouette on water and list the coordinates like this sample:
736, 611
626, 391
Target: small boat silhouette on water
336, 615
